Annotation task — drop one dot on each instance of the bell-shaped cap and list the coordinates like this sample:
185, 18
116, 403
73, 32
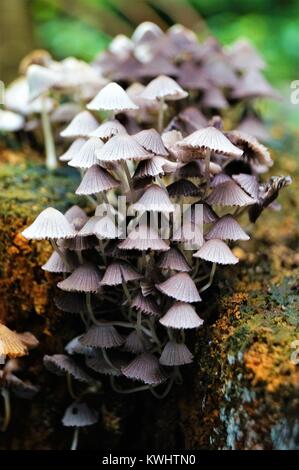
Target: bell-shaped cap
102, 337
143, 238
151, 140
136, 343
211, 138
72, 150
227, 228
249, 183
81, 125
112, 98
79, 414
163, 87
86, 155
175, 354
96, 180
180, 287
154, 199
61, 364
229, 194
108, 129
11, 344
56, 264
181, 316
216, 251
122, 147
119, 272
40, 80
11, 122
174, 259
49, 224
146, 369
86, 278
145, 304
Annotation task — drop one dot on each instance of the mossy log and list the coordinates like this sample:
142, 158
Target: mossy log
242, 390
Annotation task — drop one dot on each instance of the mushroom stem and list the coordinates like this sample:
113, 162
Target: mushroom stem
102, 251
206, 286
161, 115
166, 391
207, 169
74, 444
127, 293
107, 360
70, 386
128, 391
58, 250
128, 175
7, 409
159, 180
51, 160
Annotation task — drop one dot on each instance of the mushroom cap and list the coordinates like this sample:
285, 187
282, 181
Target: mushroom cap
154, 199
11, 122
106, 227
216, 251
72, 151
146, 369
175, 354
85, 278
49, 224
229, 194
175, 260
61, 364
136, 343
11, 344
143, 238
122, 147
253, 149
227, 228
181, 287
79, 415
96, 362
181, 315
40, 79
253, 85
112, 98
182, 187
118, 272
163, 87
81, 125
151, 140
56, 264
86, 155
74, 213
102, 337
145, 304
249, 183
155, 166
96, 180
219, 179
146, 32
210, 138
214, 98
108, 129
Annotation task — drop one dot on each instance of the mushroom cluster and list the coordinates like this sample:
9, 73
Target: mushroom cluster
50, 93
165, 187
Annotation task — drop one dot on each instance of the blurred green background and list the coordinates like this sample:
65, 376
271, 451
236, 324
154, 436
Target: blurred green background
84, 27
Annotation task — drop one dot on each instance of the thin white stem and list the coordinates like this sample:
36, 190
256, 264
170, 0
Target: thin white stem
51, 159
161, 115
74, 444
206, 286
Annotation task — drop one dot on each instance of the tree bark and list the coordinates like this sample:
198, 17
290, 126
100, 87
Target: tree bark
16, 36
